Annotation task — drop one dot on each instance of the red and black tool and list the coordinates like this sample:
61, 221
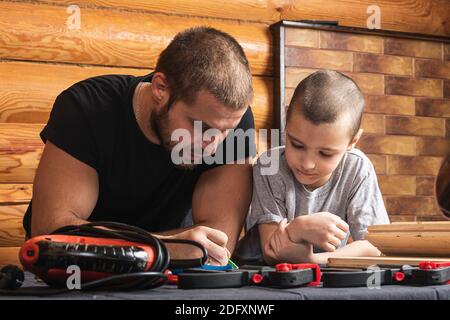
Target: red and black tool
282, 276
335, 278
49, 257
431, 273
108, 255
427, 273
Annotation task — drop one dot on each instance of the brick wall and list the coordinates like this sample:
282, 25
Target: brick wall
406, 84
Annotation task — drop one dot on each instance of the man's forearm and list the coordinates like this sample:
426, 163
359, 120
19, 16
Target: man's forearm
168, 233
222, 198
40, 228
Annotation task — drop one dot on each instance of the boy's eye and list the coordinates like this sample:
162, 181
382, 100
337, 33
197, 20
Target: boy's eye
326, 154
297, 146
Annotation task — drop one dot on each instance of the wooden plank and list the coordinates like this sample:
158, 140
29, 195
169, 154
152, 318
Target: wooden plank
9, 255
435, 244
111, 37
29, 90
15, 193
423, 226
262, 106
11, 230
20, 152
365, 262
249, 10
419, 16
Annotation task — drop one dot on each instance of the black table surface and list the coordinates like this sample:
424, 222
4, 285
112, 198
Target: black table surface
171, 292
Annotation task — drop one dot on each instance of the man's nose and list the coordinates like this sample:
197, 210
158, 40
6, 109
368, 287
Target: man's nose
211, 144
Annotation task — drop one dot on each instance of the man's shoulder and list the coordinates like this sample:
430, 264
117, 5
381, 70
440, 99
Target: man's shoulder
109, 87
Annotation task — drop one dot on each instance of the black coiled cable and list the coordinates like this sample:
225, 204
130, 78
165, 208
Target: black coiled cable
153, 278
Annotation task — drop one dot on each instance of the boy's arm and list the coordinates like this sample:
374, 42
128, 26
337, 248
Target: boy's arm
277, 247
360, 248
322, 229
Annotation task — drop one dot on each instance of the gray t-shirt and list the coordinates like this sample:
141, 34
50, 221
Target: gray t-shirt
352, 193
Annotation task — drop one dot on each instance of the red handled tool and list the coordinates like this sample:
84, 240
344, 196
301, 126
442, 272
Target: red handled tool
50, 256
108, 256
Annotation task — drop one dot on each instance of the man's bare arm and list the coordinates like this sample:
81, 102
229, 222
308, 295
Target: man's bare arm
65, 191
222, 198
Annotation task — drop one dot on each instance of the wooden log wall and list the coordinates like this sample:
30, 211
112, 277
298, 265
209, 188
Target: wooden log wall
40, 56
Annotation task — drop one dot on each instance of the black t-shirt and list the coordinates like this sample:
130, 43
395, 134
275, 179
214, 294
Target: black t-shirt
93, 121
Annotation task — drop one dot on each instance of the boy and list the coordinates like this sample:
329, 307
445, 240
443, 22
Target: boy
324, 189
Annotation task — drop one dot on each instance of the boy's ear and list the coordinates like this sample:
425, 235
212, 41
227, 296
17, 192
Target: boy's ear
355, 139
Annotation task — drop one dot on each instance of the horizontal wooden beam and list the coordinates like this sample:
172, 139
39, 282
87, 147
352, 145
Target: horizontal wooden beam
28, 90
9, 256
267, 11
40, 32
434, 244
11, 230
425, 226
418, 16
20, 152
365, 262
15, 193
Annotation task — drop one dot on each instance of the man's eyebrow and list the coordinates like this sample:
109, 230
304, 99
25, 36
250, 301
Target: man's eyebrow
299, 141
207, 126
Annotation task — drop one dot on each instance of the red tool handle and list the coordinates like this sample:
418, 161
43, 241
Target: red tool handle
286, 267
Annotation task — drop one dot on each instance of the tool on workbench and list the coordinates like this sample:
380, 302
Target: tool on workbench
427, 273
284, 275
109, 255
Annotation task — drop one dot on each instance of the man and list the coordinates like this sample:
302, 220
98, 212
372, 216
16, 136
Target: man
108, 148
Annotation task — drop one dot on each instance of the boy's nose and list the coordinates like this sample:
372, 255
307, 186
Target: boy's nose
308, 164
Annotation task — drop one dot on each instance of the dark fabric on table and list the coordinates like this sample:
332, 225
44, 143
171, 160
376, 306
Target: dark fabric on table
255, 293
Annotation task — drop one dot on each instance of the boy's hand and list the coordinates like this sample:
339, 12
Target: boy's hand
323, 229
282, 249
213, 240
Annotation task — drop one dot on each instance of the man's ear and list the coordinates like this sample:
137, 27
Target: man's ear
355, 139
160, 88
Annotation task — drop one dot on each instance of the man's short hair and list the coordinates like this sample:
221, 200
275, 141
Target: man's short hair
204, 58
325, 95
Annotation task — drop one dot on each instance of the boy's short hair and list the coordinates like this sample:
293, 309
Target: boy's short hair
204, 58
325, 95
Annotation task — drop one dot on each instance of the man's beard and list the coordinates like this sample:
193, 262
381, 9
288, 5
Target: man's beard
159, 121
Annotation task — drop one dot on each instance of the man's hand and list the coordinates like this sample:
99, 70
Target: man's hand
214, 241
221, 199
322, 229
280, 248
